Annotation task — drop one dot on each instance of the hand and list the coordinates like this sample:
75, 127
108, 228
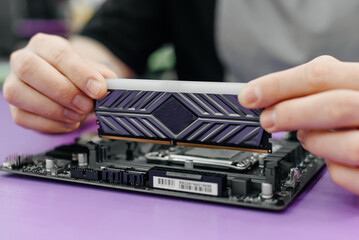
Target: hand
51, 87
320, 99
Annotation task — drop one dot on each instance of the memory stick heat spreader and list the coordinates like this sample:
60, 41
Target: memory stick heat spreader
182, 113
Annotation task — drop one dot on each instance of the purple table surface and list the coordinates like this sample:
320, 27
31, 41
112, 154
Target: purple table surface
32, 208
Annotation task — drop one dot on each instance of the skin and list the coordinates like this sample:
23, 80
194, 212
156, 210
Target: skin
53, 81
320, 99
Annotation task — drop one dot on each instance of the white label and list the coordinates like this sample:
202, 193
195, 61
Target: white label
206, 188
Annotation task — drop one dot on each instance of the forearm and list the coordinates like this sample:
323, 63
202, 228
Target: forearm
94, 51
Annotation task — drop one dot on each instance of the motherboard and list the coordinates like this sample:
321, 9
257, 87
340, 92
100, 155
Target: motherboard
241, 178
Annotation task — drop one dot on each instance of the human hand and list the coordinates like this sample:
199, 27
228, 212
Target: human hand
51, 87
320, 99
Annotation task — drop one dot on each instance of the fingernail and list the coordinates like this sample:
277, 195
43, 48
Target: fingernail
83, 103
71, 115
70, 125
268, 119
249, 95
300, 136
93, 86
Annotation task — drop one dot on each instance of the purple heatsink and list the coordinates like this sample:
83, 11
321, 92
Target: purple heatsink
181, 114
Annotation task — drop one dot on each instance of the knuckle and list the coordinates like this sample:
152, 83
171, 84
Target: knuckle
326, 58
318, 70
341, 108
9, 91
50, 110
60, 45
41, 39
17, 116
24, 64
60, 51
348, 99
276, 86
38, 38
56, 114
14, 56
58, 94
352, 152
266, 90
284, 116
64, 94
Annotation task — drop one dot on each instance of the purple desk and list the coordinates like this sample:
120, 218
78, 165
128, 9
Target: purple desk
32, 208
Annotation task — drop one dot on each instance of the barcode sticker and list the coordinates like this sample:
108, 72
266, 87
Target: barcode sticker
206, 188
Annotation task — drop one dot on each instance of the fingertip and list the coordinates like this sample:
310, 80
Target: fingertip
301, 136
103, 91
96, 88
70, 126
249, 96
72, 116
83, 103
268, 120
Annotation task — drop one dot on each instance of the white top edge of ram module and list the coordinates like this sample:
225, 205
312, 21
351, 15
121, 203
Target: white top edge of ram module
175, 86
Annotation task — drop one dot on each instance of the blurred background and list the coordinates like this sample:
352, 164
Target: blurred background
21, 19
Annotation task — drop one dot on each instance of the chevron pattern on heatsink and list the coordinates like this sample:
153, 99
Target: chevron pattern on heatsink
208, 119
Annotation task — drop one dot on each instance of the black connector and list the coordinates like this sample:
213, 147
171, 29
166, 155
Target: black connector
124, 176
85, 173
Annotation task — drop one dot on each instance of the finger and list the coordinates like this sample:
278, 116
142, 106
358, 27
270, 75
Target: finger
59, 53
341, 146
321, 74
105, 71
346, 177
310, 113
23, 96
43, 77
32, 121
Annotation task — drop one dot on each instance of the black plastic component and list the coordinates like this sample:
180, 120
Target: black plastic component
66, 151
85, 173
123, 176
77, 173
240, 186
129, 151
111, 176
271, 171
278, 164
102, 152
136, 178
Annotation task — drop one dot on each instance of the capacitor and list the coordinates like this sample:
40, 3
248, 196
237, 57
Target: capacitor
82, 159
267, 190
49, 164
